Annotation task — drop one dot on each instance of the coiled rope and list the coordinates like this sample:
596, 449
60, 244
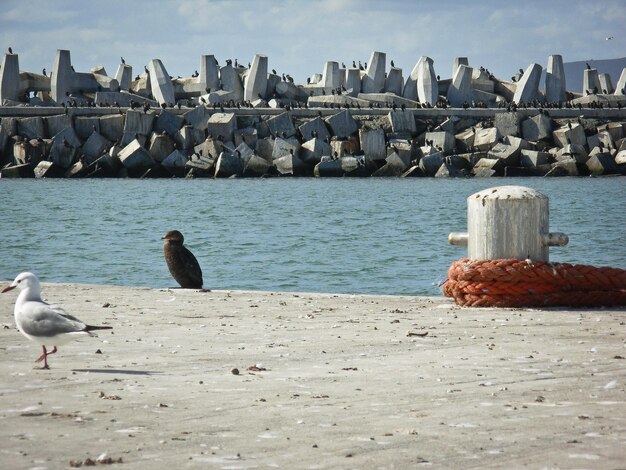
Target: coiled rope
525, 283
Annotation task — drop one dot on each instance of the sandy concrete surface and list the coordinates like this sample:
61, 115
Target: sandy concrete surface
325, 381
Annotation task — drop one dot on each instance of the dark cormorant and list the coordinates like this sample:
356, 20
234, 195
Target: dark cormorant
44, 72
122, 59
392, 64
10, 51
181, 262
274, 71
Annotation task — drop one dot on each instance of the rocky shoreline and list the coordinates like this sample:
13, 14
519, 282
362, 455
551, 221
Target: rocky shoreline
237, 121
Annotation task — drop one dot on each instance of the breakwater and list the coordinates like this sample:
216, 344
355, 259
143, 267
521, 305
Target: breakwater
237, 121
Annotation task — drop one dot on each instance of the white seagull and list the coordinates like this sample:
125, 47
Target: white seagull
609, 38
42, 322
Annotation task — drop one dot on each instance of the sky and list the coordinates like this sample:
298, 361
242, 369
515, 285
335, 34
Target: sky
299, 36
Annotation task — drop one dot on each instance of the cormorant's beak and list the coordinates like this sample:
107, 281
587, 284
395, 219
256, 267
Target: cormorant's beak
7, 289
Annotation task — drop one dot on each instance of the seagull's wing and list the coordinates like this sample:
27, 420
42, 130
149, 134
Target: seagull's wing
42, 319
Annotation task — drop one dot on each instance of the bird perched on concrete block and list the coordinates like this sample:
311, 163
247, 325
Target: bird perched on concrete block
181, 262
44, 323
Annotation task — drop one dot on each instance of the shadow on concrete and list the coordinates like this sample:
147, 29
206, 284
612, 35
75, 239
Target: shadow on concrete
118, 371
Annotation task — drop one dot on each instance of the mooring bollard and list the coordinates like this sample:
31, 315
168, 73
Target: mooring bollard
508, 222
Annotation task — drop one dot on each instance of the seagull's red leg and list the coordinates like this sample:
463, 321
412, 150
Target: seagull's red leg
44, 356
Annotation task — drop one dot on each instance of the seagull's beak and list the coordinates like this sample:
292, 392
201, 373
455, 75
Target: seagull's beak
7, 289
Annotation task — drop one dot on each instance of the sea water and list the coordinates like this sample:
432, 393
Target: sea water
370, 236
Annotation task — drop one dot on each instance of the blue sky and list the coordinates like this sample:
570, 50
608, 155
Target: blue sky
298, 36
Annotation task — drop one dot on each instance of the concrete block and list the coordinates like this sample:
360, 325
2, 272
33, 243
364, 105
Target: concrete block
402, 121
486, 138
248, 135
231, 81
188, 137
555, 80
209, 72
244, 152
528, 87
134, 157
256, 81
314, 128
536, 128
46, 169
564, 168
570, 134
606, 84
328, 168
508, 123
602, 140
615, 130
24, 152
228, 165
8, 129
482, 82
373, 143
338, 101
160, 82
591, 81
160, 146
65, 146
444, 141
486, 167
458, 61
602, 164
222, 125
394, 166
313, 150
198, 117
430, 164
342, 124
9, 78
65, 80
265, 148
291, 165
124, 76
465, 139
394, 81
620, 87
352, 81
31, 128
168, 122
283, 147
427, 84
343, 147
122, 100
572, 151
533, 158
86, 125
281, 125
95, 146
460, 90
138, 122
507, 154
410, 87
374, 79
111, 126
290, 92
256, 166
175, 163
330, 76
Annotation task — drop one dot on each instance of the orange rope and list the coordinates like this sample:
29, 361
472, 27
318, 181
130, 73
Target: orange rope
522, 283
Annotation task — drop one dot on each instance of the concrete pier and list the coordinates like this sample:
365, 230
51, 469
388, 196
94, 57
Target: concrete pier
274, 379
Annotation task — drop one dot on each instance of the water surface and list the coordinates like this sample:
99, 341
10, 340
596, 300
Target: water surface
374, 236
